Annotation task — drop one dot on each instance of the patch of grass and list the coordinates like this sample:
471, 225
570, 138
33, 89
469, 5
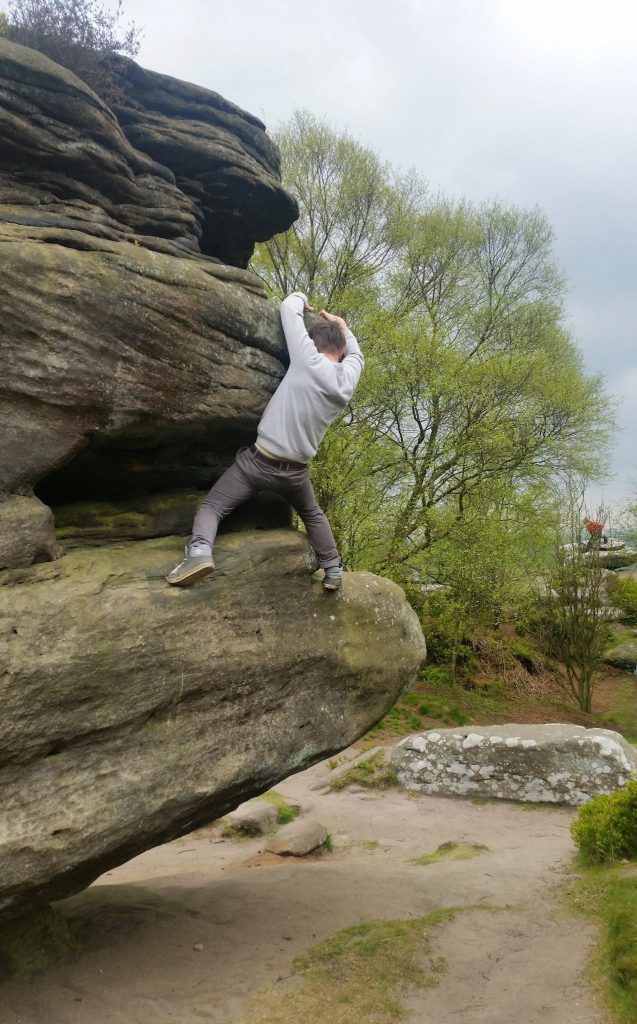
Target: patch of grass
365, 844
541, 805
285, 812
450, 851
373, 773
358, 975
229, 831
327, 846
623, 715
611, 898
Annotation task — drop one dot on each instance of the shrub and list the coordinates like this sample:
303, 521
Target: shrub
623, 593
286, 814
78, 34
606, 827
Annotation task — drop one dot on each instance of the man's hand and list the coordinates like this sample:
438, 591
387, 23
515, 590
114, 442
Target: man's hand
333, 319
309, 308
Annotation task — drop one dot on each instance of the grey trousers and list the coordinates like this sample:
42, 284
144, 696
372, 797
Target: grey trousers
252, 472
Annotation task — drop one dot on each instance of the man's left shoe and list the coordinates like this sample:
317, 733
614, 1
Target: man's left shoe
333, 578
194, 567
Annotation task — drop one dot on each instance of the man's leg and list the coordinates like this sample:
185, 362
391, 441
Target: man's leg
231, 489
319, 531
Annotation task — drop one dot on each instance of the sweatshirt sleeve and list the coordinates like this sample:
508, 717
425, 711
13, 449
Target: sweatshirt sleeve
300, 345
353, 363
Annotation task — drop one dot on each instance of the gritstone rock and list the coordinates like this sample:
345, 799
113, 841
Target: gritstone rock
564, 764
298, 838
134, 712
132, 359
254, 818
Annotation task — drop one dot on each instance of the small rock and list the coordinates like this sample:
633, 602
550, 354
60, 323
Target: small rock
254, 818
298, 838
198, 947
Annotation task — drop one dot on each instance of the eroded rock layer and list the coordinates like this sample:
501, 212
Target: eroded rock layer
184, 165
132, 360
133, 712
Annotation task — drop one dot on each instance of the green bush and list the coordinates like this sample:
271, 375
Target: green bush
606, 827
437, 675
623, 593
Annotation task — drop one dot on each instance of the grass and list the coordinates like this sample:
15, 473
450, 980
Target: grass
285, 812
365, 844
373, 773
435, 702
450, 851
622, 716
609, 896
359, 975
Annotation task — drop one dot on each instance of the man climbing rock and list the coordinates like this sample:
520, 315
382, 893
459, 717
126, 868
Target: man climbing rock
325, 367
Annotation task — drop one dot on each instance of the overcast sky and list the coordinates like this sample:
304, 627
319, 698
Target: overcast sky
532, 102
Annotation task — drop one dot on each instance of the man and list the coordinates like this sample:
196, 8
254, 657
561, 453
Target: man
325, 367
596, 531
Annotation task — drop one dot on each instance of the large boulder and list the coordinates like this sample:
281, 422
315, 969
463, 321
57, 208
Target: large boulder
132, 360
133, 712
183, 170
221, 157
563, 764
126, 371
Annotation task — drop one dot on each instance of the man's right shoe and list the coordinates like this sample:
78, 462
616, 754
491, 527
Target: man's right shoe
333, 578
194, 567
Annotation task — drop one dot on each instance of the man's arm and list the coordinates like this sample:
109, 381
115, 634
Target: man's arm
353, 361
300, 345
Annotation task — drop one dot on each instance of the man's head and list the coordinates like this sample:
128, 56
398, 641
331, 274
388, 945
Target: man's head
328, 339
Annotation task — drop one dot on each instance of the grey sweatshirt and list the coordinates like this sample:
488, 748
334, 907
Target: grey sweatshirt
312, 393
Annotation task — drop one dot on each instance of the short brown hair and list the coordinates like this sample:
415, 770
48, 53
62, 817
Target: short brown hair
327, 337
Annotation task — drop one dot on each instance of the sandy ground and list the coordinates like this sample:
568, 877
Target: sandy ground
253, 913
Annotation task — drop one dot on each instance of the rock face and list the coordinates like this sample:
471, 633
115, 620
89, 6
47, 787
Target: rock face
221, 157
133, 364
132, 360
563, 764
134, 712
69, 164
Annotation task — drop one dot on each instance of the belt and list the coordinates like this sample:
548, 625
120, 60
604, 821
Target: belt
279, 463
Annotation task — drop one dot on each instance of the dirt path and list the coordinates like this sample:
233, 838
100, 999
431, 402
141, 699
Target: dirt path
253, 913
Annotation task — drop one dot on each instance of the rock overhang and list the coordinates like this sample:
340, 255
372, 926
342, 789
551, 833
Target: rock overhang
134, 712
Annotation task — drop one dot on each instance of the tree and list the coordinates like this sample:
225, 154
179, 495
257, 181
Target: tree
473, 400
354, 209
571, 620
78, 34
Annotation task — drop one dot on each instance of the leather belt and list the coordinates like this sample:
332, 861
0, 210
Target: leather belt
279, 463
